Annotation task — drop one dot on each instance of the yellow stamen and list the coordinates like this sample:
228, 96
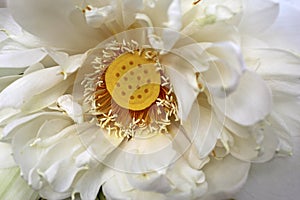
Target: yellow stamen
196, 2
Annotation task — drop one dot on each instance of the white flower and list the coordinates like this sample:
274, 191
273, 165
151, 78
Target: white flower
164, 99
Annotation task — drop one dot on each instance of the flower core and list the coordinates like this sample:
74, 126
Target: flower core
129, 92
131, 87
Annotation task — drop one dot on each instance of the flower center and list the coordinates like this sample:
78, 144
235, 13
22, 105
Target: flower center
133, 81
128, 92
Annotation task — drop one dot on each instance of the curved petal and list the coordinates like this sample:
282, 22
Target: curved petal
22, 58
186, 91
249, 103
203, 129
285, 27
152, 182
186, 182
144, 154
226, 66
31, 85
257, 18
225, 177
59, 22
118, 188
89, 184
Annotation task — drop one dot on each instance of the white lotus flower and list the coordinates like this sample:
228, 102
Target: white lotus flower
143, 99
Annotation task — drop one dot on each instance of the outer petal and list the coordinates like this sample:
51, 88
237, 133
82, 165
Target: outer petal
286, 28
258, 18
59, 22
249, 103
118, 188
22, 58
225, 177
31, 85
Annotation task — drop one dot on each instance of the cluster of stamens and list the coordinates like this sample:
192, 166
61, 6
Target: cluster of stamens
128, 92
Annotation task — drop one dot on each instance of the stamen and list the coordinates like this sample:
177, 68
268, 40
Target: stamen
196, 2
129, 93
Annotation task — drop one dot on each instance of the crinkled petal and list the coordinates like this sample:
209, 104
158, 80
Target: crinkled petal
225, 177
89, 184
72, 108
225, 68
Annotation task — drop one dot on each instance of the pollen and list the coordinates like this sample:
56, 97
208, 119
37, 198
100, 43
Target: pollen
129, 93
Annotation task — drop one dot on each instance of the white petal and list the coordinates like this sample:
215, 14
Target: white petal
284, 32
89, 184
26, 137
225, 177
249, 103
257, 18
225, 68
208, 30
187, 59
60, 23
187, 182
48, 97
72, 108
69, 64
95, 17
155, 182
185, 91
272, 60
32, 84
22, 58
100, 144
143, 155
118, 188
203, 129
6, 159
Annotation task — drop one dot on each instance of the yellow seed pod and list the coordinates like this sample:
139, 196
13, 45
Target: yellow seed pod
133, 81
